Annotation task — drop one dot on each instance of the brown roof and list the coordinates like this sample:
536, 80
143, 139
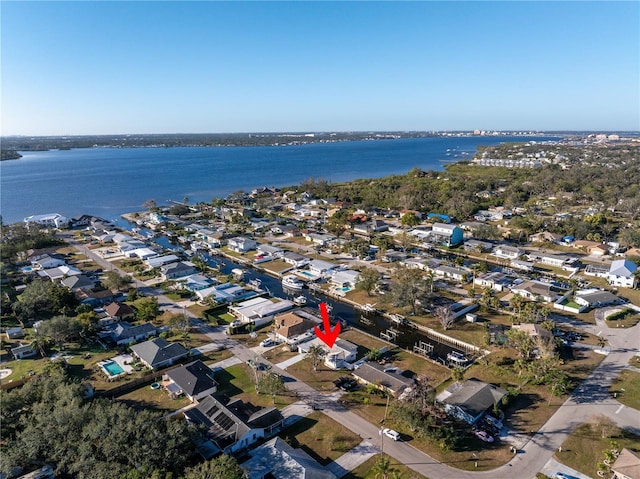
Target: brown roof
118, 310
290, 324
628, 463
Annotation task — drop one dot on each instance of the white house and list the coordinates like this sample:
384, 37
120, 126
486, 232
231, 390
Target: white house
240, 244
259, 311
319, 267
622, 273
507, 252
339, 356
345, 279
51, 220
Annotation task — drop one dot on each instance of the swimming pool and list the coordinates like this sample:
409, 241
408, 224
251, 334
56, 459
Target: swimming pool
112, 368
27, 269
307, 274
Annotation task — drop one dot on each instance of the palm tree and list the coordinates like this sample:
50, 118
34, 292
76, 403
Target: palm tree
382, 467
316, 353
39, 343
602, 341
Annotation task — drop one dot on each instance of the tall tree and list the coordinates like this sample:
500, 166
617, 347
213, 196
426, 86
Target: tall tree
115, 281
221, 467
367, 280
148, 309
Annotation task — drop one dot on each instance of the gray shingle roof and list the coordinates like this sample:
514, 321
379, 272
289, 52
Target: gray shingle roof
193, 378
157, 351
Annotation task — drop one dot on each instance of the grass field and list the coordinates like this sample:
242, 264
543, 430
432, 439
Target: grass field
321, 437
584, 448
367, 470
627, 388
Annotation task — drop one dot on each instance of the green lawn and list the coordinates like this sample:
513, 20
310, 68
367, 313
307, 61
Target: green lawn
239, 382
583, 449
626, 387
157, 399
366, 470
321, 437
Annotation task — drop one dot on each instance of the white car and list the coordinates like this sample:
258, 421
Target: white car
265, 343
390, 433
484, 436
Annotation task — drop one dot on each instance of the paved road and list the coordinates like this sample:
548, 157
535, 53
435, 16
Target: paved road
590, 398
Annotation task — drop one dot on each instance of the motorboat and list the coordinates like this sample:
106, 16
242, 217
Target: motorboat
300, 300
291, 282
456, 357
368, 308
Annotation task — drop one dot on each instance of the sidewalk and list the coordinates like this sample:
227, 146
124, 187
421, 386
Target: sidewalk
352, 459
288, 362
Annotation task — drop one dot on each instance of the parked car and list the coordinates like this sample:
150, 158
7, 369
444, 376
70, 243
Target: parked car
390, 433
483, 435
265, 343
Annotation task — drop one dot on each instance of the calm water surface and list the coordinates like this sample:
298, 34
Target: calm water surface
108, 182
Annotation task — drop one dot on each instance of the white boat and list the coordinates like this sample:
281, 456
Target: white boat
456, 357
368, 308
291, 282
398, 318
238, 272
300, 300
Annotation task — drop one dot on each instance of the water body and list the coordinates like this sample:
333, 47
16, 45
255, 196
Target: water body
108, 181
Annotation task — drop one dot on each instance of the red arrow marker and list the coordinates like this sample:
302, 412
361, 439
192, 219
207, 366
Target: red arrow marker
329, 336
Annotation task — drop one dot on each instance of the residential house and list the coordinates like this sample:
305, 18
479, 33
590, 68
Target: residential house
344, 279
22, 351
626, 465
196, 282
477, 246
622, 273
51, 220
535, 331
495, 280
240, 244
259, 311
159, 353
46, 262
277, 459
194, 380
385, 378
159, 261
391, 256
290, 230
416, 263
295, 259
295, 326
133, 251
268, 250
545, 237
340, 356
224, 293
234, 426
507, 252
79, 282
318, 238
470, 400
555, 260
370, 227
14, 333
178, 270
535, 290
120, 310
125, 333
521, 265
451, 273
60, 272
319, 267
446, 234
596, 298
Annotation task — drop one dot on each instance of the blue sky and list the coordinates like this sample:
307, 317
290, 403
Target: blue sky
171, 67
